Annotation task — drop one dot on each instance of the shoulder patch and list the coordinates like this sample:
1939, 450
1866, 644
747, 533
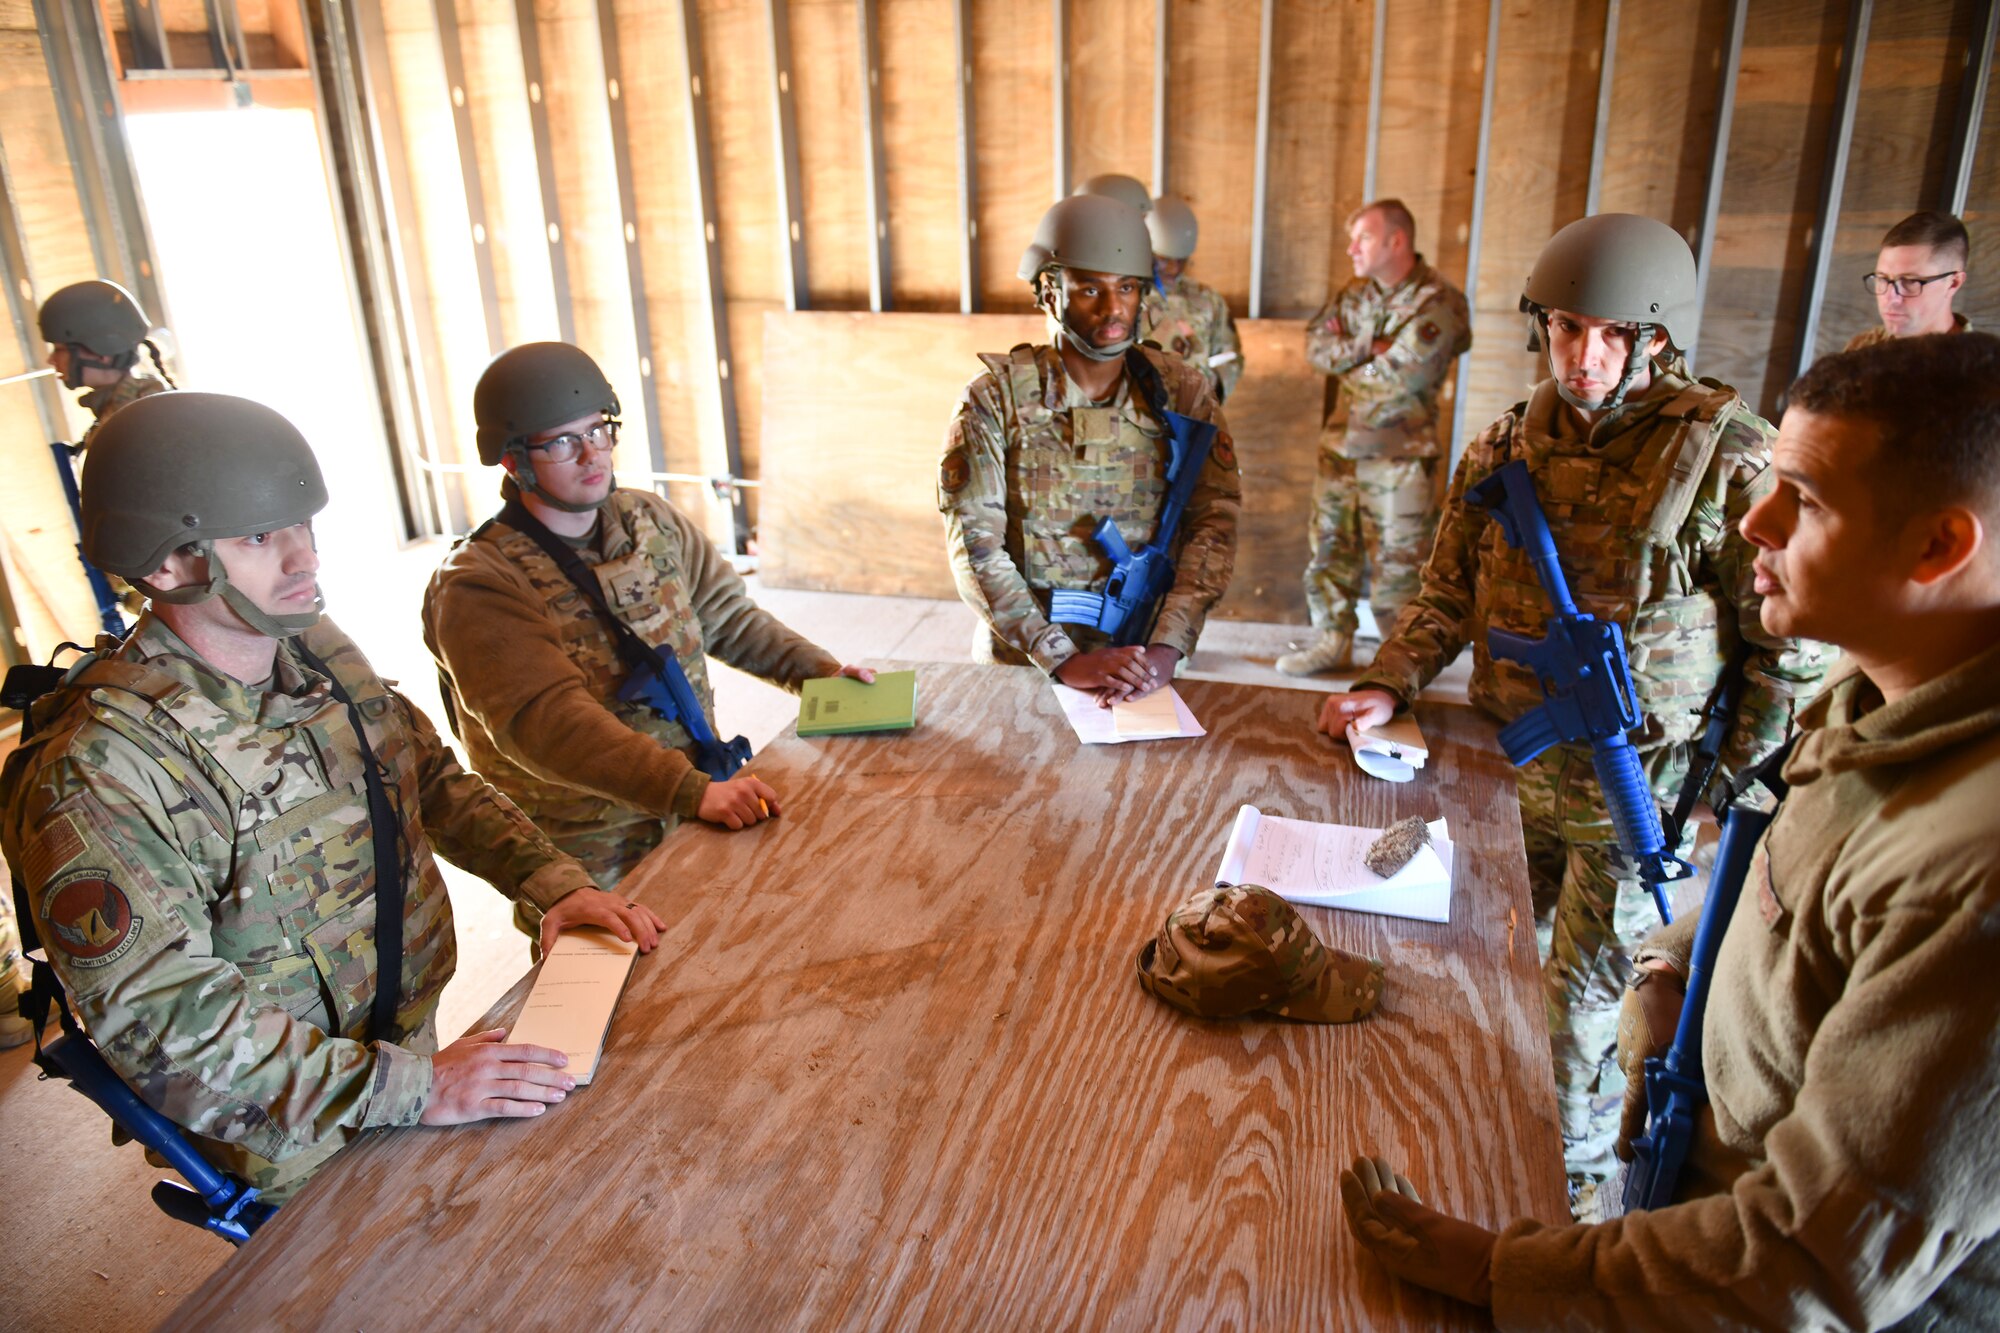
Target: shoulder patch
61, 842
89, 918
954, 471
1223, 451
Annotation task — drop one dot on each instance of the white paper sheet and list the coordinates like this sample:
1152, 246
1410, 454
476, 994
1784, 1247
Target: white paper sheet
1097, 726
1320, 864
574, 996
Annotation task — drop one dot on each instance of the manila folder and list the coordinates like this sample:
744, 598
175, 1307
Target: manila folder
574, 995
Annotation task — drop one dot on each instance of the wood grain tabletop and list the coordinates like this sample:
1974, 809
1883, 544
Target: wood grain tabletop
890, 1067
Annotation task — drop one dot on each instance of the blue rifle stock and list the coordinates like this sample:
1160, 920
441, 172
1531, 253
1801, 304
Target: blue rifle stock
1587, 683
100, 587
668, 693
1139, 580
1674, 1090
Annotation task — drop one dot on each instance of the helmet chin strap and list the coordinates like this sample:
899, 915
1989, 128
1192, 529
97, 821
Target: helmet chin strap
523, 477
1635, 361
218, 585
1056, 306
82, 358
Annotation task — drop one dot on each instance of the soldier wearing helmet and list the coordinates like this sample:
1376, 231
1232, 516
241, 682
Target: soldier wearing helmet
1186, 317
189, 822
94, 331
1052, 439
533, 672
1388, 340
1645, 475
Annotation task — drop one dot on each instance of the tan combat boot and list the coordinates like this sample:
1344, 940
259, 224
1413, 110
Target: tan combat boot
1333, 652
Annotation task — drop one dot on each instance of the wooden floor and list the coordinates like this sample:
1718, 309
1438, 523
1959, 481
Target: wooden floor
85, 1248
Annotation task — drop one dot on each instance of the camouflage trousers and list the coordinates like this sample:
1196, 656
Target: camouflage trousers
1373, 516
1591, 912
610, 850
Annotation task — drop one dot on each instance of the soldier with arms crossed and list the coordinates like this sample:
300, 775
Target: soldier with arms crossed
531, 663
190, 823
1644, 475
1840, 1175
1388, 339
1053, 439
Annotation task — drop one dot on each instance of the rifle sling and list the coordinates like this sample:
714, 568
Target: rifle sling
634, 651
390, 891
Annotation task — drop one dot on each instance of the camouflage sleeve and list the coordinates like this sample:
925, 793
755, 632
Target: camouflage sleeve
1342, 335
733, 627
1431, 632
489, 629
972, 496
1779, 674
1423, 347
1227, 343
474, 827
124, 912
1208, 529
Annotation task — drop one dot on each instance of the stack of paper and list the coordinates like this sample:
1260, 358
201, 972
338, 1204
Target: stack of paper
1320, 864
840, 703
1161, 715
574, 996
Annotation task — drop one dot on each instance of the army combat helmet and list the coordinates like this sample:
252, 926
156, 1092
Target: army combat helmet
1094, 234
188, 469
1124, 189
99, 322
533, 388
1173, 228
1620, 267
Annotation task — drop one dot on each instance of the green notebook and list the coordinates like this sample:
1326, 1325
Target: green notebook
837, 703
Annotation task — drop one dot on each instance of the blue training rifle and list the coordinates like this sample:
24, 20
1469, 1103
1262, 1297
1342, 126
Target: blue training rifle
664, 688
100, 587
1130, 601
1586, 681
1674, 1089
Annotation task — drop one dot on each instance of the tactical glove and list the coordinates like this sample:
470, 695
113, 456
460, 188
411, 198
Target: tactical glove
1416, 1243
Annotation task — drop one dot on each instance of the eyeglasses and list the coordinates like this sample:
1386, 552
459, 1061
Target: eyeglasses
600, 438
1875, 282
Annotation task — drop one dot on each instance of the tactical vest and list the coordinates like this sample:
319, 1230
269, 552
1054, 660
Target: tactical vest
286, 858
1068, 467
646, 585
1631, 518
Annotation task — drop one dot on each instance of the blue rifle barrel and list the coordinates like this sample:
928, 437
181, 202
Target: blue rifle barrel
1674, 1089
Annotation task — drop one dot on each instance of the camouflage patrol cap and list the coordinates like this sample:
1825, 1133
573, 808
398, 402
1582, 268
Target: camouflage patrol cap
1239, 948
182, 467
535, 387
1621, 267
1113, 185
1091, 233
100, 317
1172, 226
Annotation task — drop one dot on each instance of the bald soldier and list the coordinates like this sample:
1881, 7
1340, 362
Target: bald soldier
1053, 441
1388, 339
1840, 1175
1644, 475
555, 622
1918, 274
193, 824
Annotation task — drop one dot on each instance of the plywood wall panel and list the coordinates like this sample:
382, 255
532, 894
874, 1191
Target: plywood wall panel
1013, 57
1980, 297
505, 147
1111, 87
1544, 109
1212, 133
826, 69
1665, 90
920, 149
1430, 120
1319, 150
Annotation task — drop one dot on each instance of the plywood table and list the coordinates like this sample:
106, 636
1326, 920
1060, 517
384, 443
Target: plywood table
890, 1067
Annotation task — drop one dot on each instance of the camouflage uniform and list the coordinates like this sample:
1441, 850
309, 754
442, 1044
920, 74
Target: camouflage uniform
1644, 510
534, 673
107, 400
1191, 320
1030, 466
1376, 496
203, 870
1878, 334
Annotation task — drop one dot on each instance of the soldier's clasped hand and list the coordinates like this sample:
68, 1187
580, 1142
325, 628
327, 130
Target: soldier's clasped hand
739, 802
1127, 670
